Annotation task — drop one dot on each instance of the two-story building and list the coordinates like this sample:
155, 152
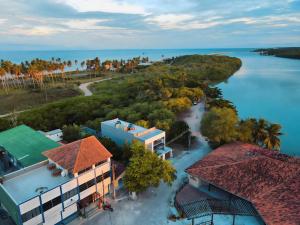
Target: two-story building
122, 132
54, 190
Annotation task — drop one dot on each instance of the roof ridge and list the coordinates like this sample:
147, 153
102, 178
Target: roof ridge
79, 148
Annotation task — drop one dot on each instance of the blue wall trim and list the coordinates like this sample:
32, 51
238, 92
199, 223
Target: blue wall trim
19, 215
41, 208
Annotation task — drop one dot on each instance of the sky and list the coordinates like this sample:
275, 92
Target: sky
134, 24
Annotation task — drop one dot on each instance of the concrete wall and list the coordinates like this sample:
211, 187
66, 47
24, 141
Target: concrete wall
117, 135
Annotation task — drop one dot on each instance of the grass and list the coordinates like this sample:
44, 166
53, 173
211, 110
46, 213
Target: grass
23, 99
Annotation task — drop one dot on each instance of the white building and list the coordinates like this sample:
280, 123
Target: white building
123, 132
54, 190
55, 135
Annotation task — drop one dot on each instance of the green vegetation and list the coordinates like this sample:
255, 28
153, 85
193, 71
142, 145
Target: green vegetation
151, 96
221, 125
291, 52
23, 99
146, 170
37, 82
71, 133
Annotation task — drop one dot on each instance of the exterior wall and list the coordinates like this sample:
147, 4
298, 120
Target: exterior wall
29, 205
194, 181
9, 205
151, 140
53, 215
55, 137
117, 135
121, 137
69, 206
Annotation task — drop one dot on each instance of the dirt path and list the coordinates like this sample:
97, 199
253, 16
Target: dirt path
84, 87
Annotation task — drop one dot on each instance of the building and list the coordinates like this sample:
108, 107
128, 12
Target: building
55, 135
270, 181
55, 190
22, 146
122, 132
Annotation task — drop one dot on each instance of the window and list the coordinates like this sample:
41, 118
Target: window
86, 169
50, 204
69, 194
105, 175
86, 185
99, 163
32, 213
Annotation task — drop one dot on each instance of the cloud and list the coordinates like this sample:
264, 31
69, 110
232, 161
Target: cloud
189, 22
193, 22
111, 6
87, 24
35, 31
148, 23
2, 20
170, 21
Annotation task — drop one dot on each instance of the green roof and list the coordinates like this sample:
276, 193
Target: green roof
26, 144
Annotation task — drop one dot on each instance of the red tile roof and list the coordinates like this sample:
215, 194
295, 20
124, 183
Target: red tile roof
270, 180
79, 155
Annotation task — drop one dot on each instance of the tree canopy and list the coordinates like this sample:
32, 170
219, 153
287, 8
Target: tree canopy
219, 125
146, 170
71, 133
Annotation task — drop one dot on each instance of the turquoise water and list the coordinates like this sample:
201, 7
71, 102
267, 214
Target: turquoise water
268, 87
265, 86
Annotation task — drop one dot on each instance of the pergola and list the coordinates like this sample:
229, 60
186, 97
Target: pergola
209, 207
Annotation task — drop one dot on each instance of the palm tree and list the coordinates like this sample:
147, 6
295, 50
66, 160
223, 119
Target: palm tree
260, 131
2, 77
272, 140
82, 64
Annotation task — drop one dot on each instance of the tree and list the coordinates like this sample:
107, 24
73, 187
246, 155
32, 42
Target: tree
146, 170
71, 133
143, 123
245, 130
112, 147
220, 125
178, 104
272, 140
260, 131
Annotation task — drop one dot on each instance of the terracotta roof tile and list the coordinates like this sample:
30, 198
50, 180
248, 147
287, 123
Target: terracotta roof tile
270, 180
79, 155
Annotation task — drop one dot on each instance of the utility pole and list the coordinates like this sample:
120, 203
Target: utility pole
189, 140
113, 180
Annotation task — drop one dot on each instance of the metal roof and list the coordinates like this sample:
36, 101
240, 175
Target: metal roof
26, 144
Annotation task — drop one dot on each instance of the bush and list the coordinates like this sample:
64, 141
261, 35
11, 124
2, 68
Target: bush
71, 133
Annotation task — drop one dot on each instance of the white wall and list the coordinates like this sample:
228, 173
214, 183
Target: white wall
31, 204
69, 210
49, 195
35, 220
69, 186
53, 215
